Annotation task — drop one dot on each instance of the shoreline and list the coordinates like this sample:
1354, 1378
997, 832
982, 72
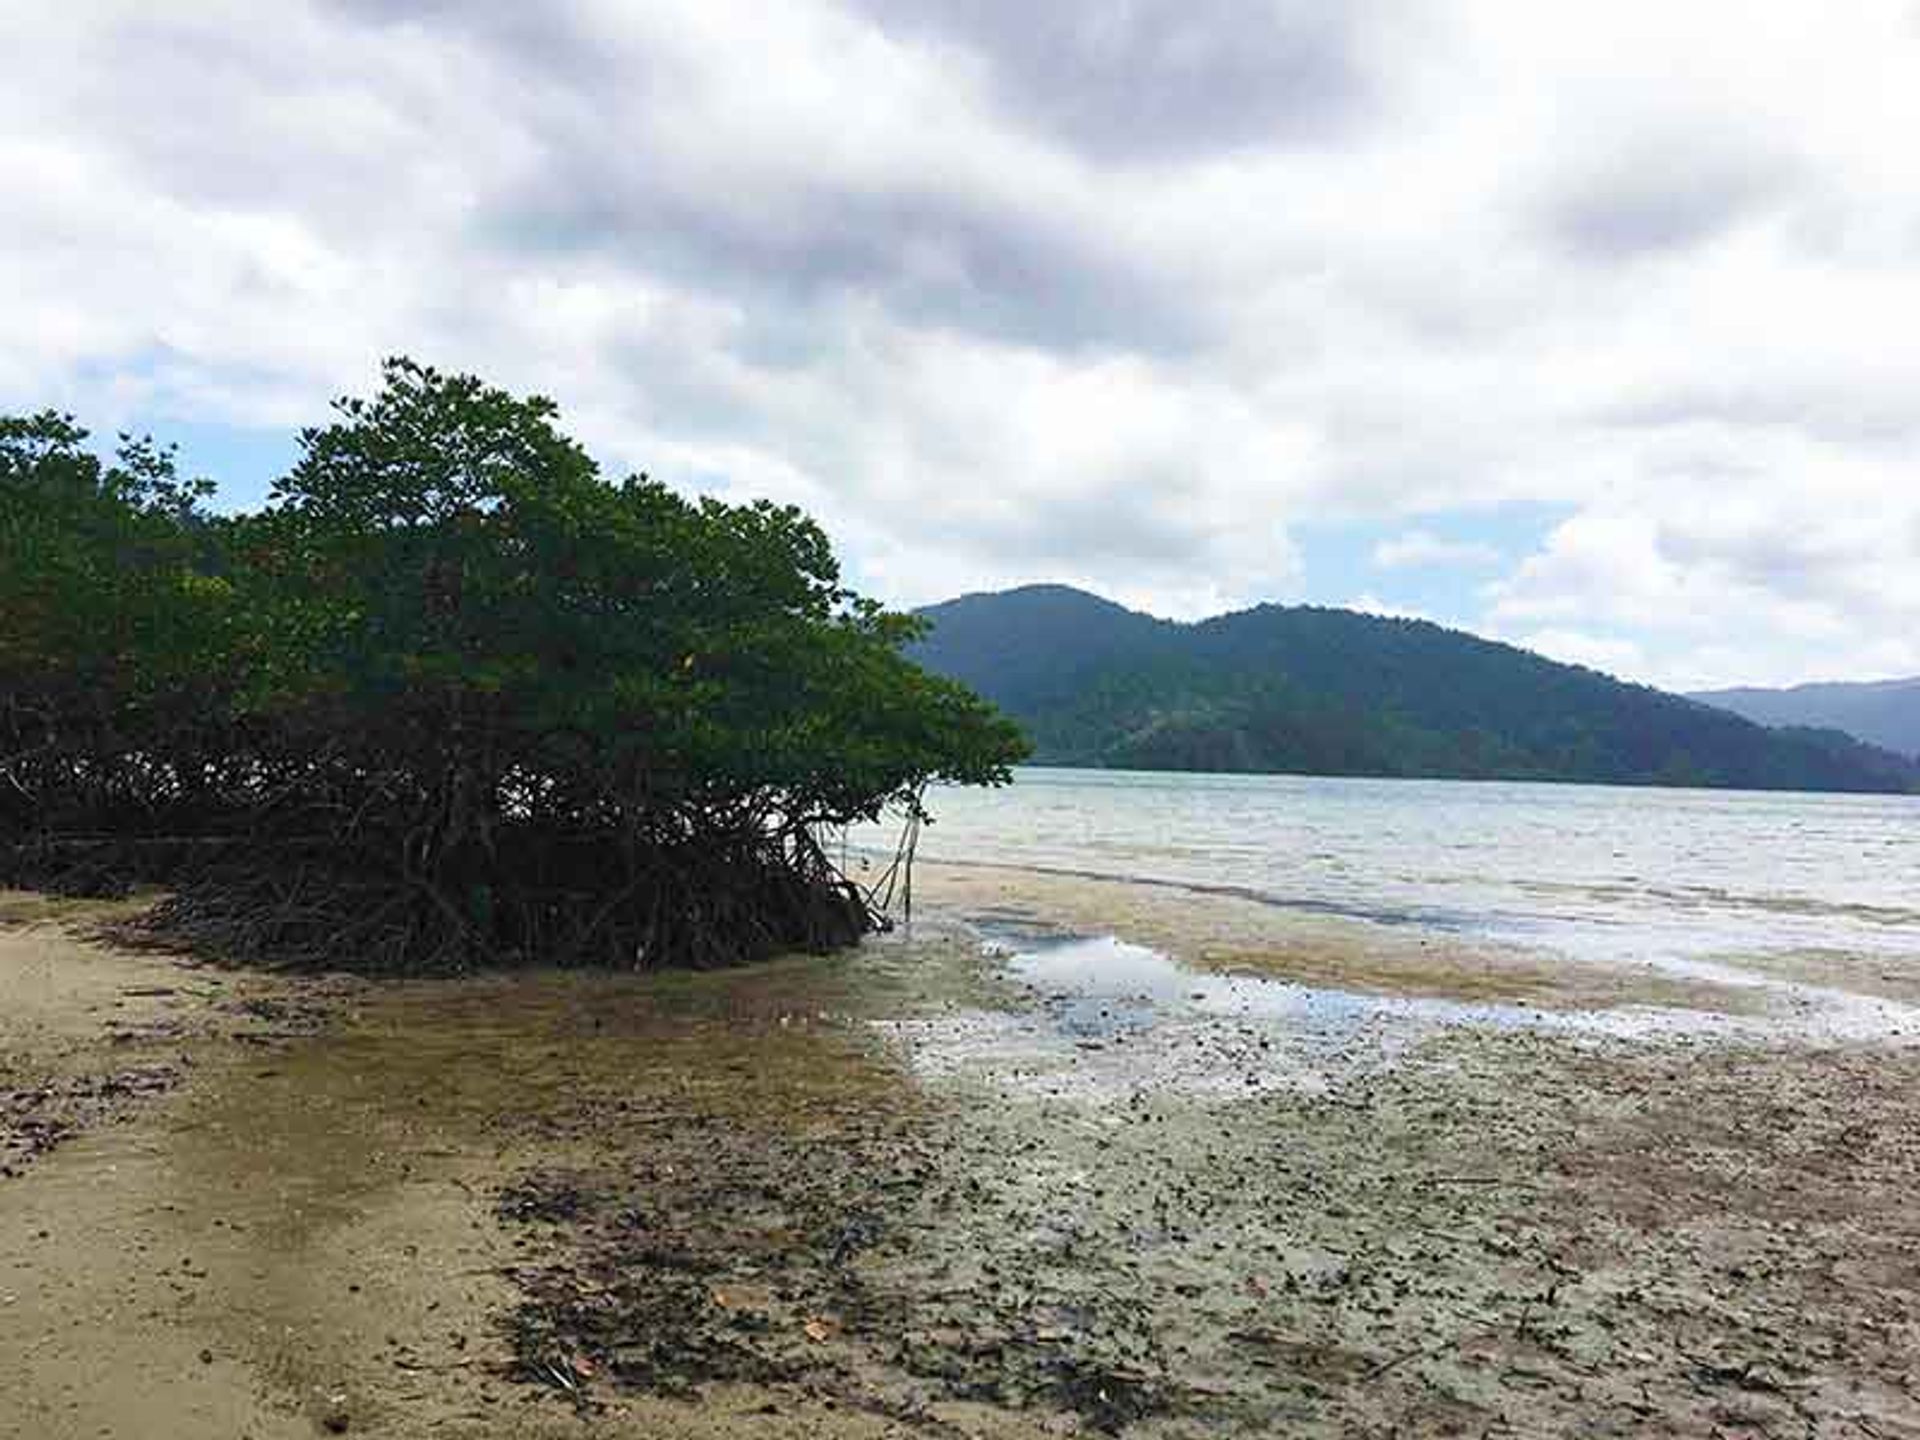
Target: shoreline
564, 1204
1224, 930
1516, 782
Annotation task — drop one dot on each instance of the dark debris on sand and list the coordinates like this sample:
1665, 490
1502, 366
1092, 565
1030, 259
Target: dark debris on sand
733, 1257
1510, 1237
38, 1118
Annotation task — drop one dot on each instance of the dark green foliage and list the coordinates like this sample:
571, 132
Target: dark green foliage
117, 621
1319, 691
451, 697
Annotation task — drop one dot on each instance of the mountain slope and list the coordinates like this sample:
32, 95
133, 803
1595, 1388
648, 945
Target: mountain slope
1884, 713
1311, 690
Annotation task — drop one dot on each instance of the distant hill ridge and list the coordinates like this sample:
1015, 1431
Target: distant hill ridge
1310, 690
1881, 712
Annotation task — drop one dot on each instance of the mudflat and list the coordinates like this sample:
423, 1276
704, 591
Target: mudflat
1332, 1183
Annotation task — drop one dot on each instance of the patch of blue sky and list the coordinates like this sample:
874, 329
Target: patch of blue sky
1341, 561
160, 392
242, 460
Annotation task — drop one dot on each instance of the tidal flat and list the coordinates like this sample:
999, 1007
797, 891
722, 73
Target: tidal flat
1067, 1157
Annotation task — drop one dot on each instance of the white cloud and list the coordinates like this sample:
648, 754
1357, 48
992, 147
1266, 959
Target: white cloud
999, 312
1367, 603
1608, 654
1422, 547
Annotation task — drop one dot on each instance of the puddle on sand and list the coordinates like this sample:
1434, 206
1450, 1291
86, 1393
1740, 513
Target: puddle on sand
316, 1218
1108, 1019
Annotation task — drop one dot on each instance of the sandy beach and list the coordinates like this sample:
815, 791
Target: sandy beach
1238, 1172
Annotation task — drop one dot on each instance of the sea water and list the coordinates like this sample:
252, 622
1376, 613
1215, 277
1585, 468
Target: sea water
1691, 882
1601, 872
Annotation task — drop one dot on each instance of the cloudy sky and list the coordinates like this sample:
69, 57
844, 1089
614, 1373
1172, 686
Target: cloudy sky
1593, 327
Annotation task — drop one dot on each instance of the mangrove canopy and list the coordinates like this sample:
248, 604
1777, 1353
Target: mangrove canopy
448, 698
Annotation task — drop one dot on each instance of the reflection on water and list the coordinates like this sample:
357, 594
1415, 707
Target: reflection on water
1111, 1019
1601, 872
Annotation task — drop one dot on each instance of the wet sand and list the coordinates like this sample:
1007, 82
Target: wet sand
923, 1189
1238, 934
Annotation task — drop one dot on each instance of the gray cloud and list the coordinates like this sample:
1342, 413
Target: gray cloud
1142, 525
558, 41
1842, 414
1764, 556
1159, 80
1662, 195
1012, 270
613, 166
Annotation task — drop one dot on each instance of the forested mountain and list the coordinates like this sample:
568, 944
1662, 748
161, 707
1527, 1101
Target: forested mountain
1304, 689
1884, 713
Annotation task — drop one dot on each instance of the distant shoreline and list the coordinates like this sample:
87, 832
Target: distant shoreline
1655, 785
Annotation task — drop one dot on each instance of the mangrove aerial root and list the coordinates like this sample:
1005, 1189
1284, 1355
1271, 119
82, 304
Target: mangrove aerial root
307, 905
